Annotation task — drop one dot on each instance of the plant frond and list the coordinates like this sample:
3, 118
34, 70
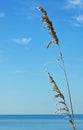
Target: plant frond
56, 89
62, 109
49, 44
71, 121
59, 95
46, 20
52, 80
61, 102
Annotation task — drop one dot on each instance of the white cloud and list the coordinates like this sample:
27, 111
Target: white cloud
74, 3
22, 41
78, 21
76, 24
2, 15
79, 18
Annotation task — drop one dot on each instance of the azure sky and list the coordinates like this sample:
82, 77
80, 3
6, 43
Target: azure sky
24, 59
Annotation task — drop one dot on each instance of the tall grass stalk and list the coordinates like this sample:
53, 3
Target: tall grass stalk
68, 111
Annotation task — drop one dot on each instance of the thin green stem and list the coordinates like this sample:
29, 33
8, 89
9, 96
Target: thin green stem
67, 84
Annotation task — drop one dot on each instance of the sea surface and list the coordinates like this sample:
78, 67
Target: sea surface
38, 122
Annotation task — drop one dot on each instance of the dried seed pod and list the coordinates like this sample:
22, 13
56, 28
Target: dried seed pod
59, 95
46, 20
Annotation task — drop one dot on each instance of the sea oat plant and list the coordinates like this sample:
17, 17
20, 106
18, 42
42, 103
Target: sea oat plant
64, 109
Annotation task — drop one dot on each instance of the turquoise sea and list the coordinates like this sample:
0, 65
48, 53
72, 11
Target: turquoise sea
38, 122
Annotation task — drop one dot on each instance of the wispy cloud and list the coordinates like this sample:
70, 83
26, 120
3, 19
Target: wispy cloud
75, 6
16, 71
76, 24
78, 21
74, 3
79, 18
27, 10
2, 15
22, 41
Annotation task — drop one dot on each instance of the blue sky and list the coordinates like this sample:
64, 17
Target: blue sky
24, 59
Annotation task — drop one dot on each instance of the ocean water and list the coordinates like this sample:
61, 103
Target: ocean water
38, 122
